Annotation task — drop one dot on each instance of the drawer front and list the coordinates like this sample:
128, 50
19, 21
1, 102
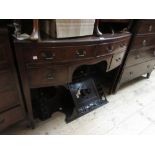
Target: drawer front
45, 75
109, 48
10, 117
143, 41
145, 26
8, 98
141, 55
6, 79
137, 70
59, 54
116, 60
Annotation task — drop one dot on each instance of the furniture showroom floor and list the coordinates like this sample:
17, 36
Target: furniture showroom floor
130, 111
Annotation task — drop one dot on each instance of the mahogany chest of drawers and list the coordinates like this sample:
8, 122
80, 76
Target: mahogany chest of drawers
140, 58
11, 103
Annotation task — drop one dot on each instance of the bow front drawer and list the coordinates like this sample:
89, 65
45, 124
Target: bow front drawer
116, 60
110, 48
59, 54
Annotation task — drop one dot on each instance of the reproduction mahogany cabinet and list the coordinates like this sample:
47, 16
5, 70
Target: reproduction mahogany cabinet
11, 103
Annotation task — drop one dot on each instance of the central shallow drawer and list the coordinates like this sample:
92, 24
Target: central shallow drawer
137, 70
10, 117
59, 54
47, 75
140, 55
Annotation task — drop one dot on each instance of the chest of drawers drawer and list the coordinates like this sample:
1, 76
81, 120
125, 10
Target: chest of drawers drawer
145, 26
10, 117
59, 54
142, 41
110, 48
47, 75
137, 70
140, 55
8, 99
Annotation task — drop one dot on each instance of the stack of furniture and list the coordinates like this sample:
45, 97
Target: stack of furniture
44, 62
11, 103
140, 57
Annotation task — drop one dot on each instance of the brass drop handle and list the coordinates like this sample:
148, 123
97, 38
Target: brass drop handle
118, 59
48, 55
110, 48
2, 120
81, 53
150, 28
131, 73
144, 42
50, 76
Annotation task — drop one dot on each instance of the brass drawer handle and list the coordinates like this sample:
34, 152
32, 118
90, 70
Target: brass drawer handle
118, 59
110, 48
48, 56
144, 42
81, 53
150, 28
2, 120
50, 76
131, 73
